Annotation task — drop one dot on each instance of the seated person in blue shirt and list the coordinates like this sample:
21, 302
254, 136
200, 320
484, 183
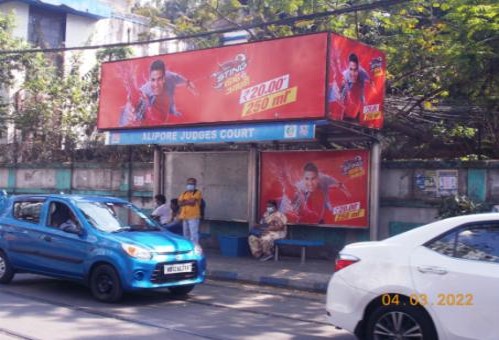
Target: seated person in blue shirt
70, 225
175, 224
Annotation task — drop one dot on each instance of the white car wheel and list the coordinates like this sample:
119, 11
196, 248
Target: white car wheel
400, 322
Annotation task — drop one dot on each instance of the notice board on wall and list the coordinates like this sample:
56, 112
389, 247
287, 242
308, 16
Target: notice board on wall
222, 178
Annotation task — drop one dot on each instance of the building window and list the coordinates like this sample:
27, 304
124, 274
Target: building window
47, 29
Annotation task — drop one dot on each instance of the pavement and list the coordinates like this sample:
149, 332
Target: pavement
288, 272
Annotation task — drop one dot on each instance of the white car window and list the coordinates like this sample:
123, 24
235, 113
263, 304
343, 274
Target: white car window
479, 243
28, 211
445, 245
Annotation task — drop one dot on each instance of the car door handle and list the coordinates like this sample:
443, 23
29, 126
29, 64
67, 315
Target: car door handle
47, 238
432, 270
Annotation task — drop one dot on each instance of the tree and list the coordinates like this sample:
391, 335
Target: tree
11, 64
58, 114
442, 62
51, 112
53, 109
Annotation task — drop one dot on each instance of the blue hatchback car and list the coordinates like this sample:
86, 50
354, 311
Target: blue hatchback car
104, 242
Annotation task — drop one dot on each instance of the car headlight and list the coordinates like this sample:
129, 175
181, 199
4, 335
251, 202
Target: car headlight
137, 252
198, 250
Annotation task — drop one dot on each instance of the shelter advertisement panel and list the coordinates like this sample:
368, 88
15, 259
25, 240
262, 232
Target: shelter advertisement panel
317, 187
270, 80
356, 88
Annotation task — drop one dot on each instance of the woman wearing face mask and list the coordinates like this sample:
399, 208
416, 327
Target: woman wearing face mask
190, 210
274, 227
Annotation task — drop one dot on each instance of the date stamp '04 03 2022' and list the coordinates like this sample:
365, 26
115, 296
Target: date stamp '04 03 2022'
451, 299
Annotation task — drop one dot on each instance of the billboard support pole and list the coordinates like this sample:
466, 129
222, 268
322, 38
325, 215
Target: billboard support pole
374, 192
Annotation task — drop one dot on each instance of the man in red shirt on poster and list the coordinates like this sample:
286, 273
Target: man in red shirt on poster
311, 202
352, 88
155, 100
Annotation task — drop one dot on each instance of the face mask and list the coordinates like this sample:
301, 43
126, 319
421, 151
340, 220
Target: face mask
190, 187
270, 210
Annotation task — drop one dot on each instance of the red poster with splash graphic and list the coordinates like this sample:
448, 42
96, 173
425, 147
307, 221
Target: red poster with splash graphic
280, 79
356, 87
327, 188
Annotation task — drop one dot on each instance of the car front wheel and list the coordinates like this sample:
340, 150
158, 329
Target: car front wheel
181, 290
105, 284
400, 322
6, 271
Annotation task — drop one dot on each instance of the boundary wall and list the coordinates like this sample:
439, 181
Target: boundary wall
410, 192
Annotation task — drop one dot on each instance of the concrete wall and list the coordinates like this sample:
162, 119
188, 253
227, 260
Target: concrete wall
89, 179
411, 191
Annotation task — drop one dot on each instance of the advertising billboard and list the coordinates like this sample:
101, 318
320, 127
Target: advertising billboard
356, 88
328, 188
273, 80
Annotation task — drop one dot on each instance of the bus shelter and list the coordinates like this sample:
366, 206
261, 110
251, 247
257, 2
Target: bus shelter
251, 120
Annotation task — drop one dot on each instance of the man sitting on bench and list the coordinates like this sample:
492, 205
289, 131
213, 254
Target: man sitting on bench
272, 227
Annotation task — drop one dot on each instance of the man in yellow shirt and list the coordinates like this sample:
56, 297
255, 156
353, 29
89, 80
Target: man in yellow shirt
190, 210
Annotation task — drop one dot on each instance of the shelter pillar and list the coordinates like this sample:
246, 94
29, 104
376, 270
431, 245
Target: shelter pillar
374, 192
157, 176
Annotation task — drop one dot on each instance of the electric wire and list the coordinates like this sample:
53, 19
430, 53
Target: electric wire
280, 22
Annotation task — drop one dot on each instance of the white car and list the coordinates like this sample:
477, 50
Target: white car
438, 281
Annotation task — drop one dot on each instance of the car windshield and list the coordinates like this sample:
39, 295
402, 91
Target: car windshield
116, 217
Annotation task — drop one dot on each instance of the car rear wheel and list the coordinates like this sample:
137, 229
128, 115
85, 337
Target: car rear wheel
6, 271
181, 290
400, 322
105, 284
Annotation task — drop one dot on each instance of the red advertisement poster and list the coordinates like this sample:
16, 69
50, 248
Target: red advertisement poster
261, 81
317, 187
356, 88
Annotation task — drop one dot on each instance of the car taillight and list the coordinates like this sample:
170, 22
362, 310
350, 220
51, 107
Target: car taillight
343, 261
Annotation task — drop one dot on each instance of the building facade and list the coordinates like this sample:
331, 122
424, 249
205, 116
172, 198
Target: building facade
78, 23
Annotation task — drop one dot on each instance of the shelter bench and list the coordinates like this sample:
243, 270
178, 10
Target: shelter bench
298, 243
204, 235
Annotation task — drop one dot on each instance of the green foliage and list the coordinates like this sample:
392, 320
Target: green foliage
460, 205
11, 63
443, 53
54, 110
114, 53
438, 52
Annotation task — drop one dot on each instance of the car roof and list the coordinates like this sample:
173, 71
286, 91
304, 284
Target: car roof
429, 231
73, 198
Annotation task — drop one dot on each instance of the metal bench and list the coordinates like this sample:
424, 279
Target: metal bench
204, 236
298, 243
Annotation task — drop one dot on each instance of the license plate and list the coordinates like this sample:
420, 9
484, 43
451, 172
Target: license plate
177, 268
